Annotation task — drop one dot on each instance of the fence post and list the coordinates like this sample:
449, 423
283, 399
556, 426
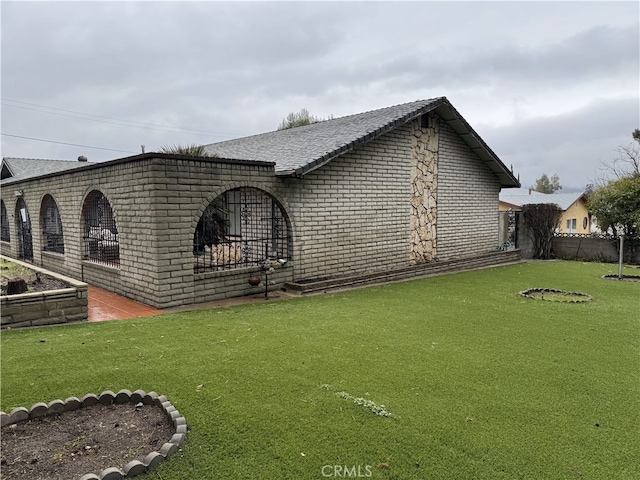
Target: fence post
621, 257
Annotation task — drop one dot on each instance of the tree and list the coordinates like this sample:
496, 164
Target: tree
541, 221
190, 150
625, 164
545, 184
303, 117
616, 206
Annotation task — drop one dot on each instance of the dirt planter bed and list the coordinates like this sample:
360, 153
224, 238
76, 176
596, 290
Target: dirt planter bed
64, 459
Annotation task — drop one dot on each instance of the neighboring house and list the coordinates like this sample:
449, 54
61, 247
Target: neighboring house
576, 218
374, 192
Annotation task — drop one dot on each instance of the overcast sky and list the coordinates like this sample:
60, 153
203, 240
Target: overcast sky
551, 87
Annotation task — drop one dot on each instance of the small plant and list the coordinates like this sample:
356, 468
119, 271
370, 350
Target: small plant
379, 410
190, 150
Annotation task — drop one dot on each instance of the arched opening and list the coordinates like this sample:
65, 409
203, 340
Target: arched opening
23, 224
243, 227
5, 232
53, 239
101, 241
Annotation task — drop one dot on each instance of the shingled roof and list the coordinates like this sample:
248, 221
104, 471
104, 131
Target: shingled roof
300, 150
523, 196
15, 169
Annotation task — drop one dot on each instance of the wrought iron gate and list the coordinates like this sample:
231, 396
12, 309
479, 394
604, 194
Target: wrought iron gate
240, 228
25, 239
512, 227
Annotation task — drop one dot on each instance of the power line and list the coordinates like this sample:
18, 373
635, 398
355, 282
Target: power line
128, 123
105, 121
65, 143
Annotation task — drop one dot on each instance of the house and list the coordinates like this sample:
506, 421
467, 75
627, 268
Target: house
24, 168
576, 218
374, 192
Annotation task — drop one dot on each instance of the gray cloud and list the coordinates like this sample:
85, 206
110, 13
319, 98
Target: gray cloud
572, 144
526, 75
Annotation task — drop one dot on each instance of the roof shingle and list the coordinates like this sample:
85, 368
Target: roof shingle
23, 168
524, 196
299, 150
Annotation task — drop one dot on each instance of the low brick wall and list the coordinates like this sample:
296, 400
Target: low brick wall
45, 308
485, 260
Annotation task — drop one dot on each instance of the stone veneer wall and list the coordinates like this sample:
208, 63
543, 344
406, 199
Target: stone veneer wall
424, 187
396, 201
468, 193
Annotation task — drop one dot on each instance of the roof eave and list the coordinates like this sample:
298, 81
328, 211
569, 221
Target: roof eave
457, 122
317, 163
7, 164
442, 107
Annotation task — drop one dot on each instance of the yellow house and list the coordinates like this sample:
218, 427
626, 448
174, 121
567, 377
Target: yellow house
576, 218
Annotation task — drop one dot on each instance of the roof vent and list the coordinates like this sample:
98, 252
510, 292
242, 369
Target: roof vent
82, 158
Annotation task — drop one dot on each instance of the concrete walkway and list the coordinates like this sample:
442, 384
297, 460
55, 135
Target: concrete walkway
105, 305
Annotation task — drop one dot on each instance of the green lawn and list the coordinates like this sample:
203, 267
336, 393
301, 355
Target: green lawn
480, 382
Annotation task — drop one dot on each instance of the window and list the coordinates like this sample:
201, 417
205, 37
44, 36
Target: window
101, 242
240, 228
572, 225
4, 223
51, 226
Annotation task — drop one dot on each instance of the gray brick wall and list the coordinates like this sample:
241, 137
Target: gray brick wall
353, 213
467, 200
157, 203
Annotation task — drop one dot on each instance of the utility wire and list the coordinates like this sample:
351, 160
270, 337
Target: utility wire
65, 143
128, 123
105, 121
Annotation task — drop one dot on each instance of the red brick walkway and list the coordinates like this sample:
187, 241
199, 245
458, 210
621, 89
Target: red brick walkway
105, 305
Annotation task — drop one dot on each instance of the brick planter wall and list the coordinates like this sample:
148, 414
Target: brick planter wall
45, 308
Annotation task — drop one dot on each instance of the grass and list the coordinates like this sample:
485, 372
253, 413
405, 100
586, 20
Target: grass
481, 383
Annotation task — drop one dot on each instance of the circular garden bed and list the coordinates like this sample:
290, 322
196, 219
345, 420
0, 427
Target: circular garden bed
627, 278
553, 295
119, 435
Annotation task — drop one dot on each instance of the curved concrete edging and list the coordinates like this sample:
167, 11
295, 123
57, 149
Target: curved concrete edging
570, 297
134, 467
628, 278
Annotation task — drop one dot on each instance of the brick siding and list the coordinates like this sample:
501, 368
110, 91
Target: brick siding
467, 200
